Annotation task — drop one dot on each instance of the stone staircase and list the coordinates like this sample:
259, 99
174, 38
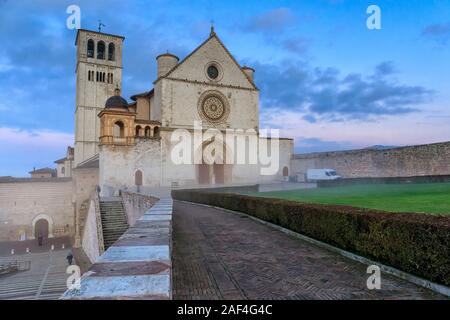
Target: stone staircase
114, 221
45, 280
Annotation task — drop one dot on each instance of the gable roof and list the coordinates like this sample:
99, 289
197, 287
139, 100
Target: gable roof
142, 95
44, 170
212, 35
61, 160
92, 162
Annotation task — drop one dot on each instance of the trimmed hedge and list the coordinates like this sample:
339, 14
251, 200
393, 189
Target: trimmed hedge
412, 242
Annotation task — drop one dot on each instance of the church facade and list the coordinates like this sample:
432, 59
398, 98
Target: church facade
176, 134
138, 145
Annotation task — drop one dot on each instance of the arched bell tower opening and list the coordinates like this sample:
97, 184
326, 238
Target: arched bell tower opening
119, 129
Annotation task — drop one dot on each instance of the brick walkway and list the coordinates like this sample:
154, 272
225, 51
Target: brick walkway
220, 255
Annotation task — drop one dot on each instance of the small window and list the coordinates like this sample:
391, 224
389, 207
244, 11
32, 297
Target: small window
213, 72
100, 50
63, 170
138, 178
89, 75
90, 48
111, 53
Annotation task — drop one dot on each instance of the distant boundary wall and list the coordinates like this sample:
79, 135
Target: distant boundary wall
386, 180
420, 160
25, 201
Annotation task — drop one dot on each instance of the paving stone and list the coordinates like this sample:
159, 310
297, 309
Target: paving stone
219, 255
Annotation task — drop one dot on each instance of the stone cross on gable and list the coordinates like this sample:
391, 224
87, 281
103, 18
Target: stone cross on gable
100, 25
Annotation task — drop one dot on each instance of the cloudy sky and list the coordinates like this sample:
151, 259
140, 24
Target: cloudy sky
325, 78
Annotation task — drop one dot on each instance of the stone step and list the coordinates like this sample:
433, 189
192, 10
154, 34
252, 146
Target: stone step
114, 221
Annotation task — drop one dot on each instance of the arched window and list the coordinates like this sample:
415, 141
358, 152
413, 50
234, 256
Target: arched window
285, 171
103, 77
97, 76
90, 48
89, 75
111, 53
138, 178
100, 50
147, 132
119, 130
138, 131
156, 132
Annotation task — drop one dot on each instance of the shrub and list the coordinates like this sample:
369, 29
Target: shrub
413, 242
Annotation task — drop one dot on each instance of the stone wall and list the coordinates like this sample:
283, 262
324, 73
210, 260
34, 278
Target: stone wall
90, 237
153, 157
419, 160
136, 205
118, 165
24, 201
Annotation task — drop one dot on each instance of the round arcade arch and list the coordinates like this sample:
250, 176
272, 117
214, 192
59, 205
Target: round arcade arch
44, 223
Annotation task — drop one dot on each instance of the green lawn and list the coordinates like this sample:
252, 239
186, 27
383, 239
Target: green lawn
431, 198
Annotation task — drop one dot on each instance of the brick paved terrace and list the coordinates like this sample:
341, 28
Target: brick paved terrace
221, 255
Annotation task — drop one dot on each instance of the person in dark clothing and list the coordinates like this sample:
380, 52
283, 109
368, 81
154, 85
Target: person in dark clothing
69, 257
40, 239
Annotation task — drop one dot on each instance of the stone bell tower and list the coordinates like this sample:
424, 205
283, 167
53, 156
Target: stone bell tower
99, 72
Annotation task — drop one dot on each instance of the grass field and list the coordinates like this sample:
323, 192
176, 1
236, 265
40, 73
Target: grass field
433, 198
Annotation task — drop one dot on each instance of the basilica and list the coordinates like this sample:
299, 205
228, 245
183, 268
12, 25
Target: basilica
149, 143
132, 144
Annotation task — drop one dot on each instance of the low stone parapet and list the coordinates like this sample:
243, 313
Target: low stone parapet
138, 265
136, 205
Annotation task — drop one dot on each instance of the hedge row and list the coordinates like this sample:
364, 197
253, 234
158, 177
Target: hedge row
412, 242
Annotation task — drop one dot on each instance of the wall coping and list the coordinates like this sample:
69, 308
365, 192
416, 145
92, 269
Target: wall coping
137, 266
